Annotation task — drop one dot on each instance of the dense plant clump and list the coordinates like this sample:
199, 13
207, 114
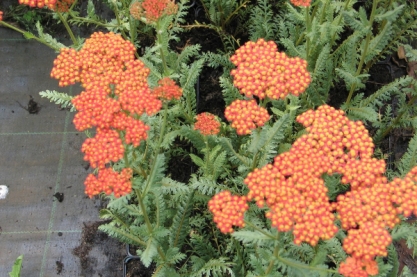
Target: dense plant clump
295, 186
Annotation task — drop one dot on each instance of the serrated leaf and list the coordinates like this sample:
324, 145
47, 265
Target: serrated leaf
197, 160
149, 253
251, 236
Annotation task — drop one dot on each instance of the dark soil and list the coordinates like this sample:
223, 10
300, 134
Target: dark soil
59, 196
99, 242
105, 247
32, 107
59, 267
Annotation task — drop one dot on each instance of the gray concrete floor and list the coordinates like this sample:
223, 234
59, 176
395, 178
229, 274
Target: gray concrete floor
40, 156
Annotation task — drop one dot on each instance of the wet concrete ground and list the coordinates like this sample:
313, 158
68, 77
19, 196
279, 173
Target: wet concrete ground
40, 157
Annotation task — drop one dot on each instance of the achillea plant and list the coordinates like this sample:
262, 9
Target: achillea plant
295, 186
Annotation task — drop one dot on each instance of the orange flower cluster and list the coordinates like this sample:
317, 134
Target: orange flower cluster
153, 9
39, 3
264, 72
63, 5
105, 147
246, 115
404, 193
294, 191
109, 181
228, 210
207, 124
116, 94
358, 268
301, 3
367, 242
136, 10
1, 15
167, 89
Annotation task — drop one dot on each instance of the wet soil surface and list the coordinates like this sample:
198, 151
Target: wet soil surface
96, 244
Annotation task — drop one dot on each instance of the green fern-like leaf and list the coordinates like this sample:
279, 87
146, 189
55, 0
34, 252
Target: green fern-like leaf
48, 39
215, 268
180, 223
409, 159
59, 98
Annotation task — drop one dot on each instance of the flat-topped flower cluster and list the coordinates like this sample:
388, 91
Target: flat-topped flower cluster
293, 190
116, 95
263, 72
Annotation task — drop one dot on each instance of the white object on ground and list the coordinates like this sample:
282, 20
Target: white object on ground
4, 190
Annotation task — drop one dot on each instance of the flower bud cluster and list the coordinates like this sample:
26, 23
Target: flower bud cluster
293, 190
262, 71
167, 89
301, 3
404, 193
109, 181
353, 267
207, 124
245, 116
228, 210
105, 147
136, 10
152, 10
50, 4
116, 94
367, 242
63, 5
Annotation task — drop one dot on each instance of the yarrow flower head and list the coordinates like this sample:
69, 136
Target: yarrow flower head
293, 190
136, 10
228, 210
207, 124
63, 5
353, 267
116, 95
301, 3
109, 181
262, 71
152, 10
167, 89
50, 4
245, 116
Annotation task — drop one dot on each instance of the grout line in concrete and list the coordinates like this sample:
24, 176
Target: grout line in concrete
57, 185
39, 232
39, 133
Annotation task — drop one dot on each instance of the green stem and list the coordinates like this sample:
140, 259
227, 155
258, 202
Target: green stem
161, 51
338, 21
158, 148
67, 27
98, 23
28, 35
308, 29
271, 263
116, 13
397, 119
297, 265
248, 223
365, 50
233, 13
130, 236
